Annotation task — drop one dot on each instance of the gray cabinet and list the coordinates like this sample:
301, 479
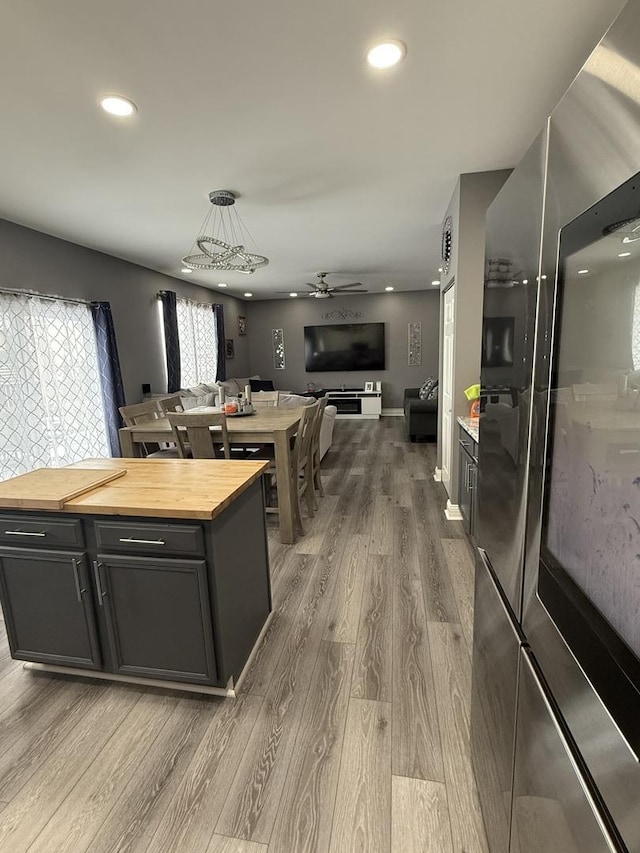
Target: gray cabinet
157, 617
467, 480
48, 607
167, 599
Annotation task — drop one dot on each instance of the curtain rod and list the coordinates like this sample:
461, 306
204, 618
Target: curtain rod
187, 299
38, 295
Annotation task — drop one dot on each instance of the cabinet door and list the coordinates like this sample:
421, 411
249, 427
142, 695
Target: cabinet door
158, 617
48, 607
464, 488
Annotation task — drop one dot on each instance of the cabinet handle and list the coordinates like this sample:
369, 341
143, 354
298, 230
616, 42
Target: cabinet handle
96, 574
22, 533
144, 541
472, 478
76, 578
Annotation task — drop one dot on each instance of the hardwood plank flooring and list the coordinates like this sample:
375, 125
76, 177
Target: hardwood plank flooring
411, 797
342, 626
306, 808
223, 844
452, 674
363, 800
461, 572
373, 665
364, 672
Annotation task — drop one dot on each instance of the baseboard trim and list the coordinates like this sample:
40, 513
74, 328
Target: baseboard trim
452, 512
437, 474
228, 692
392, 413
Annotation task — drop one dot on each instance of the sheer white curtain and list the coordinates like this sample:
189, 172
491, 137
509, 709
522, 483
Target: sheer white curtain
198, 343
635, 330
51, 410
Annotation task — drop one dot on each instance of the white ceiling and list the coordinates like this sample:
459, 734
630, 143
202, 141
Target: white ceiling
339, 167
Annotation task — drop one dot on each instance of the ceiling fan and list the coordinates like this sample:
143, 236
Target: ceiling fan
323, 290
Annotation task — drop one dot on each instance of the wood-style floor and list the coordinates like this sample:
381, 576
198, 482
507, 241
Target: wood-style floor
352, 729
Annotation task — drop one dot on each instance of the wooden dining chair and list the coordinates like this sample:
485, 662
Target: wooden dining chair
195, 437
315, 449
142, 413
265, 399
301, 470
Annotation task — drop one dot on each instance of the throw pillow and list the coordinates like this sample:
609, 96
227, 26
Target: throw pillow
201, 400
427, 387
433, 394
261, 385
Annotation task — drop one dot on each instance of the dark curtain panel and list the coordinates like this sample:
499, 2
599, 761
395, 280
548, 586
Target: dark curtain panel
221, 372
171, 342
110, 375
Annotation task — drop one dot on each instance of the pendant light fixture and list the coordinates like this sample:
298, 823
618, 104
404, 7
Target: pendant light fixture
222, 239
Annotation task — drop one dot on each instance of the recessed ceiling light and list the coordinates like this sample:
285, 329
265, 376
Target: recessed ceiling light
582, 272
293, 294
436, 281
222, 284
118, 106
525, 281
248, 295
389, 288
186, 271
623, 254
386, 54
439, 269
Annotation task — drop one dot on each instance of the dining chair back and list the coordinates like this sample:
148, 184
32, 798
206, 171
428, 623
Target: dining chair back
200, 435
140, 413
265, 399
171, 404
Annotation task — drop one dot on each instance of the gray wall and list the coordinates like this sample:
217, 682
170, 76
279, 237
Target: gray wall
34, 261
395, 309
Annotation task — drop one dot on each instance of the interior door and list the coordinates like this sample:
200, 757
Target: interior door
447, 386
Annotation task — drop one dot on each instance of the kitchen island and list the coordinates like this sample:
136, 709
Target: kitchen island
160, 576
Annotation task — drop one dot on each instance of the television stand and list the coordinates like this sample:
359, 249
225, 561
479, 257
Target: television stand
356, 403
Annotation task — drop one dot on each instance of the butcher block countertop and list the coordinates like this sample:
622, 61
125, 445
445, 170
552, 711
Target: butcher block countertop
157, 488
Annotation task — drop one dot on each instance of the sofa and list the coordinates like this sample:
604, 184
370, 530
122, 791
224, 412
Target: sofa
420, 416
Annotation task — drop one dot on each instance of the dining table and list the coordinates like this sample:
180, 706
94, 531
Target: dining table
275, 426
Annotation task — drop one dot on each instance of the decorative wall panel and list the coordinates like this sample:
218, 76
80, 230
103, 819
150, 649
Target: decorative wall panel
278, 348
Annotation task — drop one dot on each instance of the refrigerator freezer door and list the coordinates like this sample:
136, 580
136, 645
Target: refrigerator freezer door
553, 804
496, 648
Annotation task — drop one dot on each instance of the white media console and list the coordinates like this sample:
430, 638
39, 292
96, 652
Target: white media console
356, 403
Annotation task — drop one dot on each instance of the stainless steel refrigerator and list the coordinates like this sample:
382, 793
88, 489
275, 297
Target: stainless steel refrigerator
556, 686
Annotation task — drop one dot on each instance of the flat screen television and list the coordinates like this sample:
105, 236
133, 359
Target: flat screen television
348, 346
497, 341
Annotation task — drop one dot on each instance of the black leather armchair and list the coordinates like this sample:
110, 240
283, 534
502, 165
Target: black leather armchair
420, 416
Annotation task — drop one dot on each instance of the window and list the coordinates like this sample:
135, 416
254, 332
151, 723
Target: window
51, 409
198, 343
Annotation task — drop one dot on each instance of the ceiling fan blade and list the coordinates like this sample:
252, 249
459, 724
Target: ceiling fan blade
345, 286
314, 286
349, 292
